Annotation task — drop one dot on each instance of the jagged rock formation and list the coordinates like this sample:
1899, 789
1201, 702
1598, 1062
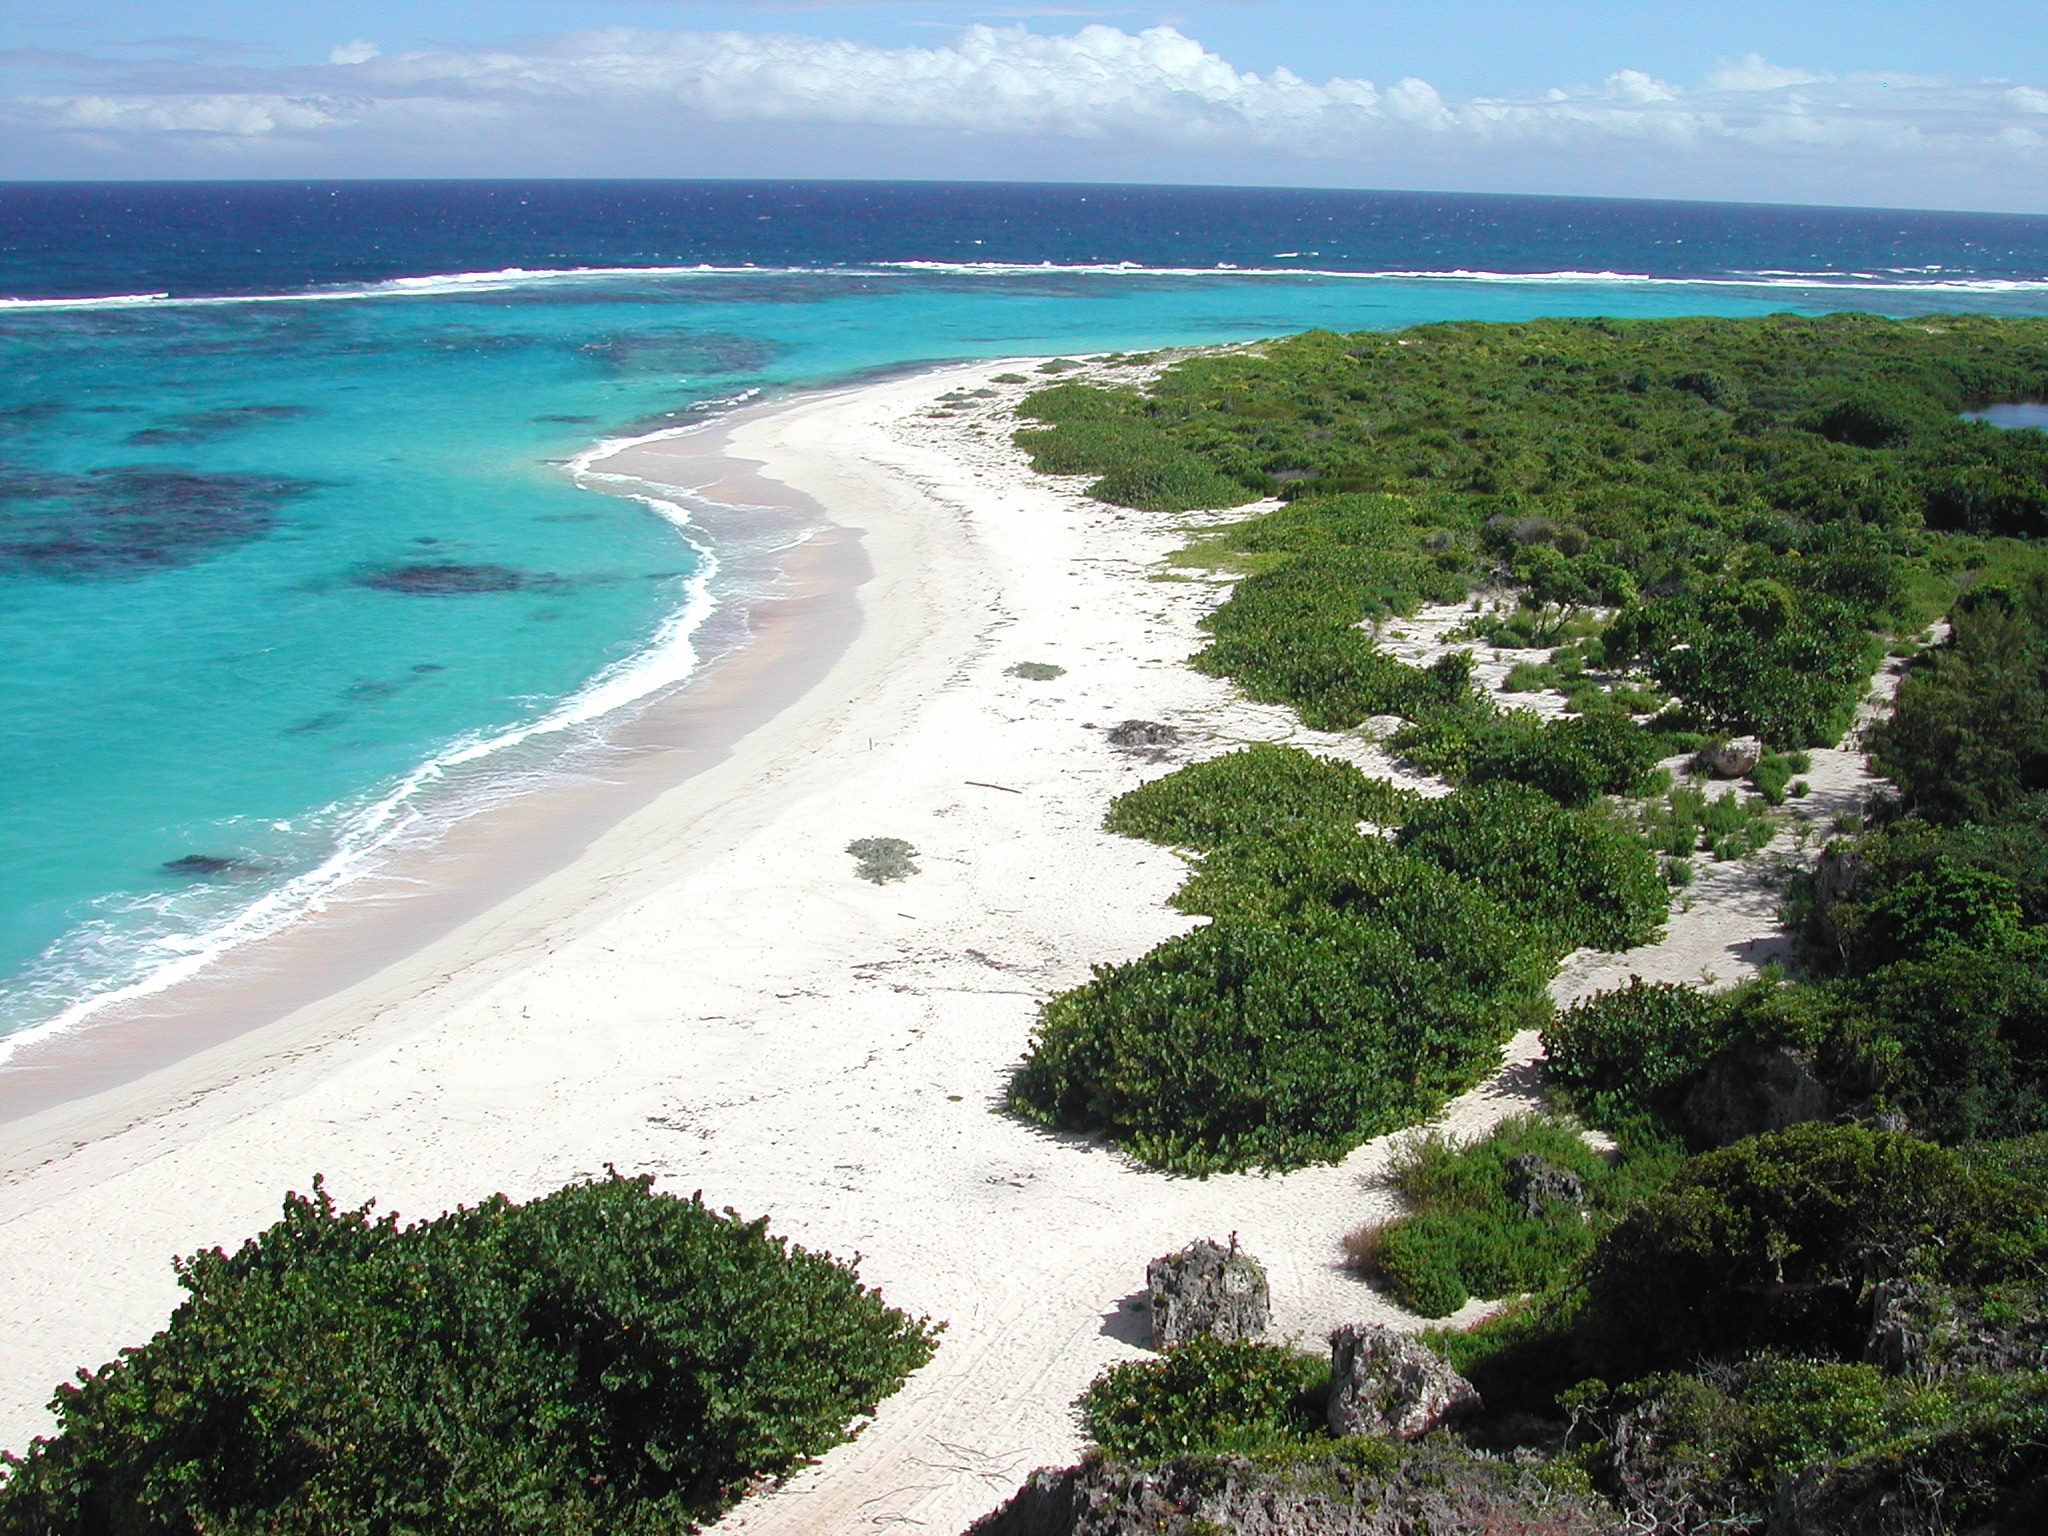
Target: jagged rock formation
1536, 1184
1751, 1090
1385, 1383
1207, 1290
1429, 1490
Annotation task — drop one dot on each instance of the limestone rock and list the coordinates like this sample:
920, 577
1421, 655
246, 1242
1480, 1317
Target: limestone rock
1207, 1290
1732, 759
1749, 1090
1434, 1490
1385, 1383
1536, 1184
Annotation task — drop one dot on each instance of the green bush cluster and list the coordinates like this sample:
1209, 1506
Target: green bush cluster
1690, 820
1463, 1235
1770, 1244
1257, 1043
1968, 741
1581, 877
1208, 1397
1755, 535
1108, 434
604, 1358
1736, 1305
1574, 760
1289, 632
1254, 792
1349, 984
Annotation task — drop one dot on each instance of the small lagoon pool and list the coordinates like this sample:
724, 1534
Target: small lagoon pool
2026, 413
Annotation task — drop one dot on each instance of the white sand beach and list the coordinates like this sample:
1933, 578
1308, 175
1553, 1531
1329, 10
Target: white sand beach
706, 992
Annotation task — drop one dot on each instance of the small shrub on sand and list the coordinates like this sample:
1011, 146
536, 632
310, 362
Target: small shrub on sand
605, 1358
1036, 671
1251, 1043
1207, 1397
882, 859
1254, 792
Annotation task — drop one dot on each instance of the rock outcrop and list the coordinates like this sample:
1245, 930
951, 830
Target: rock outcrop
1431, 1490
1732, 759
1536, 1184
1385, 1383
1751, 1090
1207, 1290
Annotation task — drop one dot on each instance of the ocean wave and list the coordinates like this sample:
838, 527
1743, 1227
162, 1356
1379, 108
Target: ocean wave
74, 977
105, 301
1891, 279
1562, 278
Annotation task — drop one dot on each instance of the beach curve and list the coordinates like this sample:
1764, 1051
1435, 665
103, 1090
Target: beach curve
708, 994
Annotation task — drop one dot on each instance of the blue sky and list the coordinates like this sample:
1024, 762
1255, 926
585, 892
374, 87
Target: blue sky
1905, 104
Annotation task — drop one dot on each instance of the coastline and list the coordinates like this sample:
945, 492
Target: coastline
705, 992
769, 642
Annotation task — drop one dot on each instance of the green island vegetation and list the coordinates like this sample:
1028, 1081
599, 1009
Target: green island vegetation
1798, 1283
602, 1359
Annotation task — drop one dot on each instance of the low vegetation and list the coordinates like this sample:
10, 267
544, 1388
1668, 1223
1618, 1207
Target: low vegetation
605, 1358
1210, 1398
1807, 1288
882, 859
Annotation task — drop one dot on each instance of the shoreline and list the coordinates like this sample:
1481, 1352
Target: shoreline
776, 641
708, 994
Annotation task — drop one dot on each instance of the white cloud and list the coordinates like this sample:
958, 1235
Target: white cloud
1100, 90
1754, 72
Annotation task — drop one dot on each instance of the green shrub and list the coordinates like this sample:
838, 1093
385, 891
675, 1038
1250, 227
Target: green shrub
1250, 1043
1774, 771
1754, 656
1288, 634
1254, 792
1574, 761
882, 859
1208, 1397
1622, 1059
1580, 876
1969, 736
1689, 821
1310, 872
1770, 1242
604, 1358
1463, 1236
1689, 1453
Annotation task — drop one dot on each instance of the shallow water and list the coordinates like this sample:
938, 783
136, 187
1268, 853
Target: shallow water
2013, 417
290, 569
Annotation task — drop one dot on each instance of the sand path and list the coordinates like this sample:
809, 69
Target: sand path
709, 994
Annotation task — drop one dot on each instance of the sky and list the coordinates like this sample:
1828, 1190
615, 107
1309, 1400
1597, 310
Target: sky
1892, 103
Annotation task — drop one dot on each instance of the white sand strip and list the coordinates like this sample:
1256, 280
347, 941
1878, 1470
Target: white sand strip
709, 994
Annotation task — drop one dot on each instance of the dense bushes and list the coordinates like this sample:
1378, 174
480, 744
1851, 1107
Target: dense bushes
1581, 877
1256, 1043
1770, 1243
1754, 656
605, 1358
1575, 760
1756, 526
1254, 792
1469, 1229
1207, 1397
1969, 738
1349, 985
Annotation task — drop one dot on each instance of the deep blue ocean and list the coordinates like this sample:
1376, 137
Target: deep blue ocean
291, 538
